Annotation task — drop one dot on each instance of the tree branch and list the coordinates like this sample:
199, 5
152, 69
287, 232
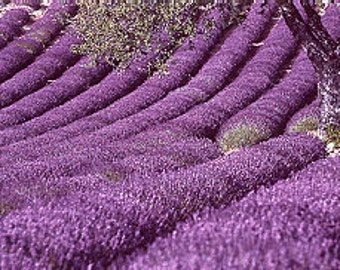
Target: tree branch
319, 30
303, 33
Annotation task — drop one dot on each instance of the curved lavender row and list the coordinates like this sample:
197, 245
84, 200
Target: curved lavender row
95, 227
139, 144
19, 53
305, 119
184, 153
75, 80
11, 25
182, 65
47, 66
275, 228
29, 181
15, 17
240, 41
267, 116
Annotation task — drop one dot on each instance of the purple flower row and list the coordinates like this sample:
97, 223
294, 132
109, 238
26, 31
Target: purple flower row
11, 25
47, 66
21, 52
292, 225
184, 62
139, 144
25, 182
74, 81
94, 227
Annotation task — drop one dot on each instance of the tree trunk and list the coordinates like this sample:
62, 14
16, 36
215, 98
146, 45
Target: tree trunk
329, 93
324, 53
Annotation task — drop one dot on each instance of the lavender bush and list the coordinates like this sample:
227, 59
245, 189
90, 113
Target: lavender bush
24, 183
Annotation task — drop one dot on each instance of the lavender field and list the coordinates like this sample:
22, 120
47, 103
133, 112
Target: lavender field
216, 165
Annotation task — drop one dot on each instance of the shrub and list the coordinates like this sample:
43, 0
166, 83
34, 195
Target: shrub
125, 31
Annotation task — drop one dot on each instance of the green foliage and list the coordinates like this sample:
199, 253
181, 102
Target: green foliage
333, 135
124, 32
242, 135
307, 124
310, 124
5, 208
114, 175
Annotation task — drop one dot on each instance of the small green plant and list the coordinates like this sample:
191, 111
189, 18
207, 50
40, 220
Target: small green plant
111, 175
333, 135
242, 135
115, 175
307, 124
123, 32
310, 124
5, 208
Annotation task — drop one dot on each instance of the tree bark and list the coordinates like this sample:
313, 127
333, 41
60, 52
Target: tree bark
329, 93
324, 53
